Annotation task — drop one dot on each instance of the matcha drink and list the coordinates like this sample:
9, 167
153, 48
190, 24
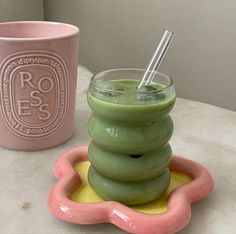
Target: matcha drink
130, 130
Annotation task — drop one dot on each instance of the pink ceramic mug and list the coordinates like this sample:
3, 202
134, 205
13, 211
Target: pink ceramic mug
38, 73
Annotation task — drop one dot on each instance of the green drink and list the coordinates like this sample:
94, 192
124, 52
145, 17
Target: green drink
130, 130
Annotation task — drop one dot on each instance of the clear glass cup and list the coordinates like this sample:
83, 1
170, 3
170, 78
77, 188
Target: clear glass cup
130, 130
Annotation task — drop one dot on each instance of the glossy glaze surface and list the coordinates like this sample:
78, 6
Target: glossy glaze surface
176, 216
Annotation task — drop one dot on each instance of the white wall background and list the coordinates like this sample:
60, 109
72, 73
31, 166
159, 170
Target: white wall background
12, 10
124, 33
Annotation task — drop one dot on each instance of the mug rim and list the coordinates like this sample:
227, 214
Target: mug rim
74, 31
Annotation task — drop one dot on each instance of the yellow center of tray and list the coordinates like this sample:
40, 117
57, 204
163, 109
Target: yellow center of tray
86, 194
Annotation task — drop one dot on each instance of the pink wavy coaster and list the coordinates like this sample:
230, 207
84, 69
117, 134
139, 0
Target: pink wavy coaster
176, 216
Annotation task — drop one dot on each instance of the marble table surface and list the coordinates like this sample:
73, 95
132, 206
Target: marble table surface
204, 133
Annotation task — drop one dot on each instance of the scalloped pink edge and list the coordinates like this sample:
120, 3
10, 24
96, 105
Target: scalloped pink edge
174, 219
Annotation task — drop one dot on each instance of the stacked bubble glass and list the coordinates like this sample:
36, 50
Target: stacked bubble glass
130, 130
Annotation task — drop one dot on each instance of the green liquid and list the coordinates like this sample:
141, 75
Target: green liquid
127, 106
125, 93
124, 126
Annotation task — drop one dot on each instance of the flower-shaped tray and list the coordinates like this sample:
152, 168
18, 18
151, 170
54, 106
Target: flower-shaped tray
73, 200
